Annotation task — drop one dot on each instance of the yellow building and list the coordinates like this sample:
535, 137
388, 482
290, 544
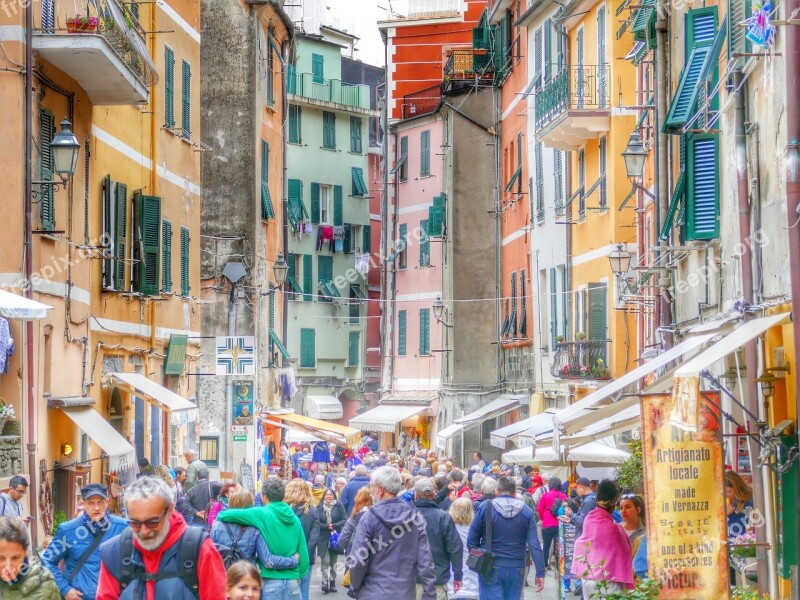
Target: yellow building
583, 110
115, 251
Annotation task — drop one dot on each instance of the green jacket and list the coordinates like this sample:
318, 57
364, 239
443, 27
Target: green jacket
281, 530
38, 584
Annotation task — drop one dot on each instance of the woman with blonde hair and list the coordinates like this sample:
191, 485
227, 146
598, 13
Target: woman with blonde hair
162, 471
462, 514
361, 503
301, 500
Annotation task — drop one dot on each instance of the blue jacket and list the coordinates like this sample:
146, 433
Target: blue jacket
588, 505
513, 529
71, 540
251, 546
349, 491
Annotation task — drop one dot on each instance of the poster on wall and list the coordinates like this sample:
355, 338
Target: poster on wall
236, 355
686, 523
242, 402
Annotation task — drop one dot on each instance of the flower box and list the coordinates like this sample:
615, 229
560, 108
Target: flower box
80, 24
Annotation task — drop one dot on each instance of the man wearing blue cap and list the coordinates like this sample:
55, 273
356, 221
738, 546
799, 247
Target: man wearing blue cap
77, 543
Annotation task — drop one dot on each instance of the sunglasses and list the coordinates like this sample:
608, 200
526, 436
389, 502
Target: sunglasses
629, 497
149, 523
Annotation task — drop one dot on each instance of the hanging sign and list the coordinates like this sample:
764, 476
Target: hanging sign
242, 403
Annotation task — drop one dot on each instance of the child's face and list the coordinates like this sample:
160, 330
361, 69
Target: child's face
246, 589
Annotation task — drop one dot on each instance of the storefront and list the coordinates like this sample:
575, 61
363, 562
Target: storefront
388, 421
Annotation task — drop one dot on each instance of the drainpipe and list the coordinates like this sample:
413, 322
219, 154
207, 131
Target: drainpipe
792, 53
285, 226
387, 315
28, 251
498, 274
751, 354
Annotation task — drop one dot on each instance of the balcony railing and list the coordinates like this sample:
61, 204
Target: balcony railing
327, 90
433, 8
585, 359
421, 102
585, 87
468, 63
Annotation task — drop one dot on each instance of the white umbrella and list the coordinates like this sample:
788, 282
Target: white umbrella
14, 306
593, 454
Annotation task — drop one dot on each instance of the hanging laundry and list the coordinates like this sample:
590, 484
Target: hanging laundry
324, 234
362, 262
6, 345
760, 30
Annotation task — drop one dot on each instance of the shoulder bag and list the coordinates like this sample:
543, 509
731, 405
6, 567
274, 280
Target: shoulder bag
481, 560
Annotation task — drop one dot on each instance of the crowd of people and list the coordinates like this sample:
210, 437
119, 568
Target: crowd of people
379, 526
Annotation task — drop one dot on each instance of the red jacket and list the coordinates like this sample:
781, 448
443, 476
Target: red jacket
210, 568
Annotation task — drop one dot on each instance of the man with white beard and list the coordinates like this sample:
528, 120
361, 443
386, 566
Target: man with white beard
158, 552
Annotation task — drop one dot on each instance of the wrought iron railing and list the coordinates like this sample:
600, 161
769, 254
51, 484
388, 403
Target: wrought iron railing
326, 90
585, 87
421, 102
584, 359
468, 63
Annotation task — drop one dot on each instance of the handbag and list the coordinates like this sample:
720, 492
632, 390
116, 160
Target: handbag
481, 560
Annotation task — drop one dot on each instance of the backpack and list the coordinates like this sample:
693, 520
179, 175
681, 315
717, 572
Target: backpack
232, 554
556, 505
188, 554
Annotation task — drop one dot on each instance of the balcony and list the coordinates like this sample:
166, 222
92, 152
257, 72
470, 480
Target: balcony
429, 9
111, 63
574, 107
468, 64
332, 93
584, 359
421, 102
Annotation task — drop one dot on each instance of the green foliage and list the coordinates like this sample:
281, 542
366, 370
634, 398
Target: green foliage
59, 518
645, 589
745, 593
630, 474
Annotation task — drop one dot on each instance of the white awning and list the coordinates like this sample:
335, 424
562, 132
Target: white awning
385, 418
181, 410
324, 407
121, 455
607, 423
594, 454
499, 406
526, 429
14, 306
730, 343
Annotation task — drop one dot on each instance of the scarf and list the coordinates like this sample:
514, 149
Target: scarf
328, 508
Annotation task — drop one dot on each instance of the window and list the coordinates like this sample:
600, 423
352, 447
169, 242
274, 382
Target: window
424, 331
359, 185
436, 217
318, 68
115, 226
354, 349
554, 331
329, 130
514, 329
424, 245
366, 240
321, 203
297, 209
402, 247
169, 87
597, 312
601, 56
603, 172
404, 158
338, 207
291, 277
186, 121
579, 64
538, 55
538, 156
146, 243
308, 349
548, 49
185, 287
702, 187
401, 333
356, 297
47, 130
166, 256
295, 131
308, 277
209, 450
558, 181
523, 294
267, 209
325, 278
425, 153
582, 183
270, 73
564, 302
355, 135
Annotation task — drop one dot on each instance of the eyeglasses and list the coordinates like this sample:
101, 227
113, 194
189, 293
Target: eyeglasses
149, 523
21, 492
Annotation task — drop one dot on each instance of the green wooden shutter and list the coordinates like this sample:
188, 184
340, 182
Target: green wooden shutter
271, 308
295, 113
324, 269
355, 135
548, 49
564, 302
47, 130
186, 121
644, 22
404, 158
424, 245
598, 314
318, 68
308, 278
425, 153
523, 299
108, 232
338, 207
702, 187
169, 87
329, 130
603, 151
270, 71
185, 287
738, 12
401, 333
175, 358
166, 256
366, 243
135, 10
308, 350
553, 307
354, 348
359, 185
120, 237
424, 331
315, 203
685, 99
435, 217
267, 209
297, 210
147, 220
402, 246
514, 303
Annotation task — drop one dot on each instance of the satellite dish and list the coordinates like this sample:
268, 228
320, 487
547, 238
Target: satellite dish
234, 271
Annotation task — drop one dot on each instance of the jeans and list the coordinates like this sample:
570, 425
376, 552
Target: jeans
549, 535
305, 585
328, 567
504, 583
280, 589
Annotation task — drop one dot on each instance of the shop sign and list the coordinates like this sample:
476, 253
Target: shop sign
686, 520
240, 438
242, 403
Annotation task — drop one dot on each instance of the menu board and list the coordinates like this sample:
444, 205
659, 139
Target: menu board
246, 474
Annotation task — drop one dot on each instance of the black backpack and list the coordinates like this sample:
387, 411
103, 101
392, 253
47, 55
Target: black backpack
188, 554
232, 554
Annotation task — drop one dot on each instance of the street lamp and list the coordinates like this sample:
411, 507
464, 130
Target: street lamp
64, 150
635, 155
767, 383
439, 312
280, 269
620, 260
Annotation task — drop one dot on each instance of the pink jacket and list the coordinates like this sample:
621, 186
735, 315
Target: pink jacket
603, 550
543, 508
213, 511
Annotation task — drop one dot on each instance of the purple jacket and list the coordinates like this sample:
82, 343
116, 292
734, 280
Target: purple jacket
389, 551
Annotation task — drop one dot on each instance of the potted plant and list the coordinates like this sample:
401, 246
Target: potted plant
82, 24
580, 336
600, 371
